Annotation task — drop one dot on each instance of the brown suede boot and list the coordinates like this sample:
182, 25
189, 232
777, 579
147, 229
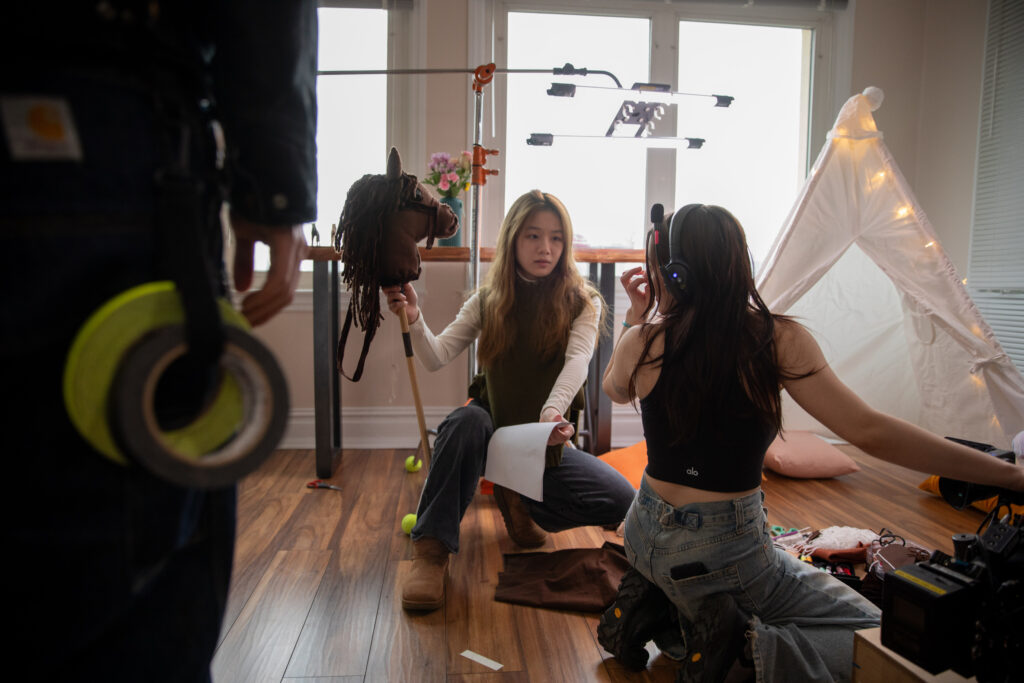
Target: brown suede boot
424, 586
521, 528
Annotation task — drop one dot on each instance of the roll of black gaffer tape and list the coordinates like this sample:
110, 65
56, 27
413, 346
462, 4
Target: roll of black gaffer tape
110, 389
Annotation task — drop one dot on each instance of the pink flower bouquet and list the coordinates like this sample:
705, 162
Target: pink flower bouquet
450, 176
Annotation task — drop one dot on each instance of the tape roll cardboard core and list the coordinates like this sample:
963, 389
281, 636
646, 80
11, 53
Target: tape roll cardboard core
228, 448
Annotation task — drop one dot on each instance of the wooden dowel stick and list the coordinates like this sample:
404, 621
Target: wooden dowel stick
407, 340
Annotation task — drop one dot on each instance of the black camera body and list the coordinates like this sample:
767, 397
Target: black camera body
964, 613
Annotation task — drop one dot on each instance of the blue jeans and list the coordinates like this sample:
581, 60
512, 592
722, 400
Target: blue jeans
802, 620
580, 491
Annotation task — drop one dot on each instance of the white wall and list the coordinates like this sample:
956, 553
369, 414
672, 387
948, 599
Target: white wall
925, 54
954, 56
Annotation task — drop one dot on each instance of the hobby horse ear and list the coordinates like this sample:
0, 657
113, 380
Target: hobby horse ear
394, 165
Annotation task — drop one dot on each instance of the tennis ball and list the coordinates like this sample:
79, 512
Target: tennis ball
408, 522
412, 464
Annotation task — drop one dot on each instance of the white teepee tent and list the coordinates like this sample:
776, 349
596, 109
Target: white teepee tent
859, 264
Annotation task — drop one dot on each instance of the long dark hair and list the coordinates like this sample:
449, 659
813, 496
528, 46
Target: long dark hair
719, 355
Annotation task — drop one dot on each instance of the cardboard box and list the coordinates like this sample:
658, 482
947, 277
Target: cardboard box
875, 663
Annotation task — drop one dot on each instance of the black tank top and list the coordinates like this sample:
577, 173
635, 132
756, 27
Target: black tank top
726, 457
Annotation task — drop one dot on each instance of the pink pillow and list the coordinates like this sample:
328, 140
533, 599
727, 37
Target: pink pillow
804, 455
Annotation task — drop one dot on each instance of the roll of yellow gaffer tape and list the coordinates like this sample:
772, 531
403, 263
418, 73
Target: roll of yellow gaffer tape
111, 375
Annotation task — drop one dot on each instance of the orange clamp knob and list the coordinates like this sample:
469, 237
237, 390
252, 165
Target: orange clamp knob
480, 174
482, 76
480, 155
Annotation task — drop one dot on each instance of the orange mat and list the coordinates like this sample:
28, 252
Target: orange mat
629, 461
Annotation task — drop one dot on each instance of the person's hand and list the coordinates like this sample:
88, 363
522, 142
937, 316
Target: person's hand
403, 296
287, 249
560, 434
634, 281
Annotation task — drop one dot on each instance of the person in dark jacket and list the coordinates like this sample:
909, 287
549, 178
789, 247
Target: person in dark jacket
116, 574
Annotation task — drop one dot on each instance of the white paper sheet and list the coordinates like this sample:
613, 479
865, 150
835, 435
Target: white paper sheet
515, 457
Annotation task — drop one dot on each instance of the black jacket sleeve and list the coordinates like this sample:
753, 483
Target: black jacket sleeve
264, 71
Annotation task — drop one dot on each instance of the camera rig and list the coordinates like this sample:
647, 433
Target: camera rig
965, 612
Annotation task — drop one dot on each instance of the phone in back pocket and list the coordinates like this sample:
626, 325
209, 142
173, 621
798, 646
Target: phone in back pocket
686, 571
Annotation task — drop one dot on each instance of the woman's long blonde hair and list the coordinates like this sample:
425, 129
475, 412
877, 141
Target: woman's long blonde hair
567, 291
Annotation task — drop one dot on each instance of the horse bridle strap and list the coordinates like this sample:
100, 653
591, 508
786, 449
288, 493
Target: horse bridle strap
367, 338
433, 217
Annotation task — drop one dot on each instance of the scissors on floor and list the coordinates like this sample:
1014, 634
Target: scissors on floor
321, 484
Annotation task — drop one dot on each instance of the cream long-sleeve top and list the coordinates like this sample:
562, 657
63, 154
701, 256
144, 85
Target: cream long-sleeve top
434, 352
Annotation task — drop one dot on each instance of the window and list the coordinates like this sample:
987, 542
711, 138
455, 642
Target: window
601, 182
756, 152
351, 111
755, 158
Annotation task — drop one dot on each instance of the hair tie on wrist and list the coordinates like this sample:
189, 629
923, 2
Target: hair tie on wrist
626, 325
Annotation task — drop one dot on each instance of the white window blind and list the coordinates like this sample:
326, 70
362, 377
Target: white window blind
996, 266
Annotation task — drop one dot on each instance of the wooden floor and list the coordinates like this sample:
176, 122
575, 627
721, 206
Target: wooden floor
315, 591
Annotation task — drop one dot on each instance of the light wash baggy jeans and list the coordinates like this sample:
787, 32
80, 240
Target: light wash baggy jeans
802, 620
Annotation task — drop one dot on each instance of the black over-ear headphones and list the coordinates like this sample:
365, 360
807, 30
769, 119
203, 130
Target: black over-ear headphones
674, 271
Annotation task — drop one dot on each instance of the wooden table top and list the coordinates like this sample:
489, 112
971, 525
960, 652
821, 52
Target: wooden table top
461, 254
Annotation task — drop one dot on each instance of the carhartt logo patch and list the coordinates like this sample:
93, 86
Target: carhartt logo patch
39, 129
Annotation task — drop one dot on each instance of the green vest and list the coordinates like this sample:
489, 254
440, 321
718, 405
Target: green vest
514, 388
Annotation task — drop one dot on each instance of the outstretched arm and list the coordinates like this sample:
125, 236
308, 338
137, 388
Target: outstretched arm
827, 399
435, 352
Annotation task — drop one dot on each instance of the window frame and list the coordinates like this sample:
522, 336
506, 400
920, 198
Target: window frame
406, 98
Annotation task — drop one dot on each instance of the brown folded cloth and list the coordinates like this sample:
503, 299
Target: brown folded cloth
581, 579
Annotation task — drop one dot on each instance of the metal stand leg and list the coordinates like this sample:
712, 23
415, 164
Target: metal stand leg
599, 419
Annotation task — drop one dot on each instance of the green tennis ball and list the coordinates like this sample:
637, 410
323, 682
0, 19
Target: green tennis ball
408, 522
412, 464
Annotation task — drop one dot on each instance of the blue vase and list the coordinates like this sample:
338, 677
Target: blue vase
455, 204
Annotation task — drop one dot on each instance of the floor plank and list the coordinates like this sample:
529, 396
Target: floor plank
337, 637
558, 646
407, 646
494, 677
266, 502
474, 620
261, 642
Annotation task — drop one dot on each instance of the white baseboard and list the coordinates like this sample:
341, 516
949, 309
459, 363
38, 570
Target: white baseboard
396, 427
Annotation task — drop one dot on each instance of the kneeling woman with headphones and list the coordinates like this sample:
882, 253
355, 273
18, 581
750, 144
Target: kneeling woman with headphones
707, 369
